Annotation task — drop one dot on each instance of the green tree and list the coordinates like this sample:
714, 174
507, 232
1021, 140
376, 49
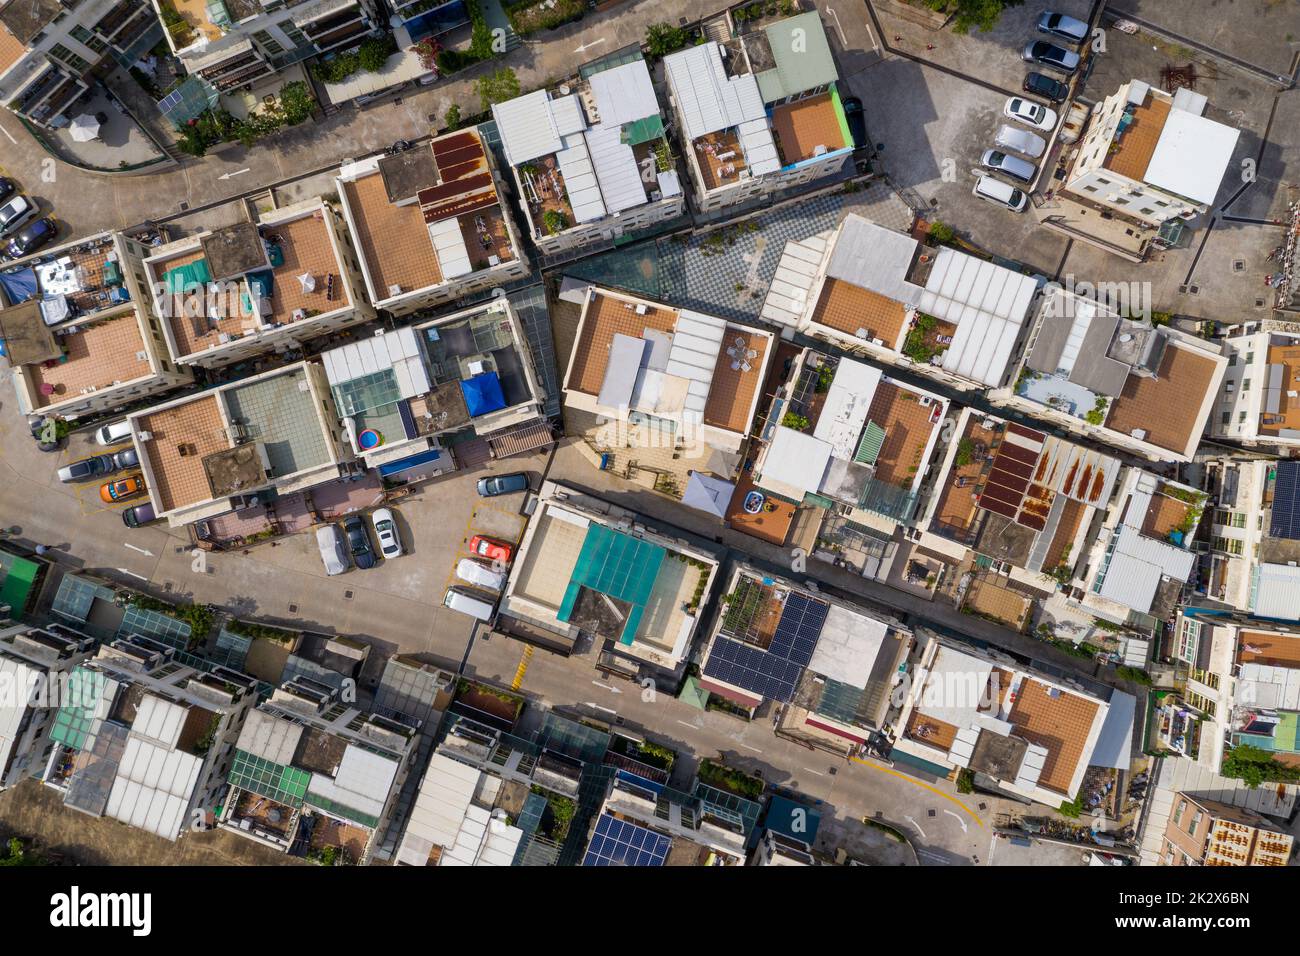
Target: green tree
554, 221
498, 87
664, 38
982, 15
296, 102
452, 117
374, 52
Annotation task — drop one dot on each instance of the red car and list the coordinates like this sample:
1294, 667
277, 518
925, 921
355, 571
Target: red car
491, 548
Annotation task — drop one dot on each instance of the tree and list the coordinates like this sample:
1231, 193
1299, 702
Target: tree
374, 52
664, 38
297, 102
981, 14
452, 117
427, 50
554, 221
498, 87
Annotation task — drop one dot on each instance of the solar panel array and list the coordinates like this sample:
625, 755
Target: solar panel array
620, 843
773, 673
1285, 522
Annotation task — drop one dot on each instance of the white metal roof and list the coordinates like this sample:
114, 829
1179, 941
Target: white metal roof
697, 339
527, 127
566, 112
988, 303
159, 720
449, 247
153, 786
17, 678
848, 646
1191, 156
760, 149
950, 690
362, 783
795, 460
399, 351
580, 179
669, 183
1137, 566
707, 100
483, 840
444, 815
874, 258
845, 410
621, 369
620, 181
1268, 687
624, 94
1031, 768
1277, 592
796, 273
270, 737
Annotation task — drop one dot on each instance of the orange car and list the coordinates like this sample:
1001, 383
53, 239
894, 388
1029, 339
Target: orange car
491, 548
122, 488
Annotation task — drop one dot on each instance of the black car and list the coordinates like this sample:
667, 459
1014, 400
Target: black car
31, 237
1045, 86
363, 555
856, 119
502, 484
7, 188
139, 515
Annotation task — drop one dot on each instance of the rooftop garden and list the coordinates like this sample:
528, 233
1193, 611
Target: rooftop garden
370, 56
489, 699
200, 617
1253, 766
558, 815
293, 106
646, 752
732, 781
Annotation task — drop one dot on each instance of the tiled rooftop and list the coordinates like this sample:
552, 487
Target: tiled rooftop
1280, 650
930, 730
11, 49
394, 240
1164, 514
1285, 352
1058, 552
1138, 142
307, 249
1168, 406
192, 329
958, 507
280, 413
98, 355
731, 392
801, 127
907, 428
987, 595
711, 149
771, 526
607, 316
195, 13
542, 183
850, 308
1060, 724
182, 436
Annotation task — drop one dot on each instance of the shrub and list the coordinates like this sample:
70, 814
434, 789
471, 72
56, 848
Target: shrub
296, 102
796, 421
965, 781
554, 221
941, 233
452, 117
428, 50
374, 52
965, 453
498, 87
664, 38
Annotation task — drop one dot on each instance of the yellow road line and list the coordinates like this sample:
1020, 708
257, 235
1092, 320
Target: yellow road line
922, 784
523, 666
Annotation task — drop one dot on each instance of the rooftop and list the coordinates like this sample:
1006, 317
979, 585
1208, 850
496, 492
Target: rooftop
1281, 409
856, 311
26, 18
1168, 406
181, 438
1137, 143
1060, 722
98, 355
74, 280
807, 128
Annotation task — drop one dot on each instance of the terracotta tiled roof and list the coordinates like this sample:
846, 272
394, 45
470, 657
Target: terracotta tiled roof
1059, 724
907, 430
850, 308
394, 240
1138, 142
182, 436
732, 391
1168, 406
607, 316
802, 126
98, 355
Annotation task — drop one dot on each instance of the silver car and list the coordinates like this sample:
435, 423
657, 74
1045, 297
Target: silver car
1062, 27
333, 549
1020, 141
1013, 166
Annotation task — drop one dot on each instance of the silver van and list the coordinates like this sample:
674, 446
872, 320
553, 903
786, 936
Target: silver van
1020, 141
467, 601
480, 575
1013, 166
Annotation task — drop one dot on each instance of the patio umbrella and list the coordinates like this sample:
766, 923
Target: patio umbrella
85, 128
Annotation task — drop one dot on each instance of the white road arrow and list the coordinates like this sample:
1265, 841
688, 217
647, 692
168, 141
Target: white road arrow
587, 46
237, 172
143, 551
917, 827
957, 816
133, 574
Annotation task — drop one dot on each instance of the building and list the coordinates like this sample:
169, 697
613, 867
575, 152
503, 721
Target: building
79, 330
760, 112
1142, 388
834, 664
587, 566
314, 776
214, 452
34, 666
237, 45
403, 394
428, 223
1149, 157
1259, 404
938, 312
144, 738
1203, 832
789, 834
50, 49
454, 821
590, 160
1015, 729
249, 288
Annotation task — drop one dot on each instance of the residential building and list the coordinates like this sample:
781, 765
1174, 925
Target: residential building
1014, 728
588, 566
34, 665
1259, 405
413, 691
940, 313
146, 739
834, 664
428, 223
454, 821
214, 452
789, 834
49, 50
426, 18
315, 776
760, 112
403, 394
236, 45
1142, 388
590, 160
1204, 832
248, 288
83, 338
1150, 157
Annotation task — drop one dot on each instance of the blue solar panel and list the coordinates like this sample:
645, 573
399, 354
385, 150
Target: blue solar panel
1285, 522
773, 673
620, 843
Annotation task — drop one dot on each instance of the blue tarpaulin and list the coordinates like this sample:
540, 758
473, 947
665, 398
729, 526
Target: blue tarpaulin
483, 394
18, 286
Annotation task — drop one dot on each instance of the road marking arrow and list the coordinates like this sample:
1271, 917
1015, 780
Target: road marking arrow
958, 819
917, 827
143, 551
133, 574
237, 172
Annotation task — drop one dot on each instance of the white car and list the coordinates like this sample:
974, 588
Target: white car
1020, 141
333, 550
390, 545
114, 433
1000, 193
1030, 113
477, 573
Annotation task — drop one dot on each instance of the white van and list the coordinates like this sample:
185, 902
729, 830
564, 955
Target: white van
1020, 141
466, 601
113, 433
1003, 194
477, 573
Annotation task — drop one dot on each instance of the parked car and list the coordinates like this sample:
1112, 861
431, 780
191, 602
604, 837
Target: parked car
1003, 194
502, 484
126, 458
1020, 141
138, 515
1013, 166
96, 466
491, 548
329, 540
1062, 27
479, 574
1050, 55
15, 213
31, 237
363, 555
122, 488
113, 433
470, 602
390, 545
1041, 85
1030, 113
857, 120
7, 188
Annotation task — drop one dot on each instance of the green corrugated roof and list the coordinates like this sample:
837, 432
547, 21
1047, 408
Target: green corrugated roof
16, 589
72, 722
692, 693
618, 565
802, 54
873, 438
